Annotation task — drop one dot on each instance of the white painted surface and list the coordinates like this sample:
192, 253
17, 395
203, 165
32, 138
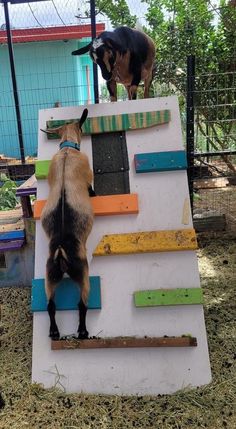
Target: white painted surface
162, 205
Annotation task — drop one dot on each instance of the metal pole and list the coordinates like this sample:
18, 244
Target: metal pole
14, 83
190, 122
93, 31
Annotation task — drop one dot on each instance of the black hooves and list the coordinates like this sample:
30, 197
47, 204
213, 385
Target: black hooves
54, 334
83, 335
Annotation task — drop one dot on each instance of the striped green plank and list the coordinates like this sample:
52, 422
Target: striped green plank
41, 169
158, 297
123, 122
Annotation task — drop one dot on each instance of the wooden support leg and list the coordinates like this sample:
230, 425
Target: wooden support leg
26, 206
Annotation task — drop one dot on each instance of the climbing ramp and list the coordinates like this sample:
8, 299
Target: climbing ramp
146, 304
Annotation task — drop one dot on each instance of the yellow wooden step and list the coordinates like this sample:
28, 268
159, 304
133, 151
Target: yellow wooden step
146, 242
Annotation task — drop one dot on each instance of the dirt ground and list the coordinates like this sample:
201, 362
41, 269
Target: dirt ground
23, 405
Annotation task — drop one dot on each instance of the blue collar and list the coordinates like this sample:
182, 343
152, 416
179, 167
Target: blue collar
70, 144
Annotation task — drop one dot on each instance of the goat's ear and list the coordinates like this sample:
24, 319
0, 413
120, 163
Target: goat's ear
110, 43
83, 117
82, 50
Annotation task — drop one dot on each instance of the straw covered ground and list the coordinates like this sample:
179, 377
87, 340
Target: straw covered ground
23, 405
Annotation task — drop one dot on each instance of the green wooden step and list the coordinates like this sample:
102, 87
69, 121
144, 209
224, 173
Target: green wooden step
157, 297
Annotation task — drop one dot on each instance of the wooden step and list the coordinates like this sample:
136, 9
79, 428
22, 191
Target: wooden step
146, 242
112, 123
123, 343
12, 235
67, 295
106, 205
160, 161
11, 245
159, 297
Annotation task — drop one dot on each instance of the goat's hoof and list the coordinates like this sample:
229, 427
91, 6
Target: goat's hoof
54, 335
83, 335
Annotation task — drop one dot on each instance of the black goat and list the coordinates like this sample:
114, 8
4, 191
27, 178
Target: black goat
124, 56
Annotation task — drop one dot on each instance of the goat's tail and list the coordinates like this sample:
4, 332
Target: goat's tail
61, 257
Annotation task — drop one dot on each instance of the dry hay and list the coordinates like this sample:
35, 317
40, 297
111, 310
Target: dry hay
30, 406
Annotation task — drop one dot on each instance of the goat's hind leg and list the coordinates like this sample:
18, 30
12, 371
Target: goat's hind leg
81, 276
50, 287
83, 304
147, 84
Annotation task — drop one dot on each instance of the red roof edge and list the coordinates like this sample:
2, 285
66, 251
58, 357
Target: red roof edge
50, 33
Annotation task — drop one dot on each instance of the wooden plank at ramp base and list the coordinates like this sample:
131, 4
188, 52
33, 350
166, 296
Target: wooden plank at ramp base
111, 123
67, 295
160, 161
124, 343
146, 242
105, 205
179, 296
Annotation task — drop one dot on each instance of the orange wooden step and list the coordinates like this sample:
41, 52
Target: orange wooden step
105, 205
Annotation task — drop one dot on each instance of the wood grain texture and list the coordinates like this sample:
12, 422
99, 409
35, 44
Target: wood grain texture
145, 242
111, 123
124, 342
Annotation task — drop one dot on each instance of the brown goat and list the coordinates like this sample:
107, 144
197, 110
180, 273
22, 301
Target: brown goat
124, 56
67, 219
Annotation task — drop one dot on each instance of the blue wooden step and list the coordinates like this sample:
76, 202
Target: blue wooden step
12, 235
67, 295
160, 161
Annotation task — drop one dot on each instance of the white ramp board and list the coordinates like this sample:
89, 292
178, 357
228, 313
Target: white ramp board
163, 205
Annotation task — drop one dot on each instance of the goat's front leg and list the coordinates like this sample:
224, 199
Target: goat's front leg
84, 287
132, 89
112, 88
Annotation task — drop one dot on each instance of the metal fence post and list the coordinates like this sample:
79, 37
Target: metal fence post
190, 122
93, 31
14, 83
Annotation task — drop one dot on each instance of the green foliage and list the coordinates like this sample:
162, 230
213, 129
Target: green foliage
121, 93
8, 198
117, 11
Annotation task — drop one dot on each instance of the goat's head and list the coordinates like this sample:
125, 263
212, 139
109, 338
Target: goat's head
103, 52
69, 132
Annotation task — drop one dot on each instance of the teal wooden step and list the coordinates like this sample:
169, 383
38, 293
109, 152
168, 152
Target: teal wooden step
67, 295
160, 161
